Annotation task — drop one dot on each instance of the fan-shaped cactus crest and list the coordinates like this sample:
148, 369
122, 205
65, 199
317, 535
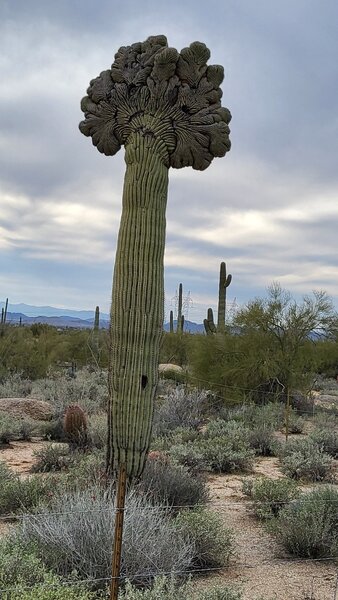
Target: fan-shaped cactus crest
164, 106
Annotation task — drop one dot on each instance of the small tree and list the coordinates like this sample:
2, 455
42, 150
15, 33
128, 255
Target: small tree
286, 326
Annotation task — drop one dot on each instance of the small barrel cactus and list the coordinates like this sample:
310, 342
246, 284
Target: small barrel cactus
75, 426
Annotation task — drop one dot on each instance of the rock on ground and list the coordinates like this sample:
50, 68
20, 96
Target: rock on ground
31, 408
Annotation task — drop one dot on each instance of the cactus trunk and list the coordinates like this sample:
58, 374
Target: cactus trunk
137, 305
179, 309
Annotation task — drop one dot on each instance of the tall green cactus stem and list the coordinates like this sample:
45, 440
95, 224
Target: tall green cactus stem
97, 319
171, 322
209, 324
179, 328
224, 282
164, 107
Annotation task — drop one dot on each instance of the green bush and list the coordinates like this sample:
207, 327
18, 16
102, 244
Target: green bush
171, 484
296, 424
213, 542
180, 435
9, 428
169, 589
98, 430
307, 461
54, 430
85, 471
308, 527
262, 440
327, 440
50, 458
19, 495
51, 588
269, 496
223, 448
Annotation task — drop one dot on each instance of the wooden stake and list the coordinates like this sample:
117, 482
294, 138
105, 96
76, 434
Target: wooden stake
118, 534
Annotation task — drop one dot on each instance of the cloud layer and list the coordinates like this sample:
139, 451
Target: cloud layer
269, 209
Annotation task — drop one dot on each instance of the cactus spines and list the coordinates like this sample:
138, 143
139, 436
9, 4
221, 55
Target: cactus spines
171, 322
209, 324
179, 309
164, 107
224, 282
75, 426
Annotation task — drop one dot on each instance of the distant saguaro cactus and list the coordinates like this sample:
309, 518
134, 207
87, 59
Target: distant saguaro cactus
3, 317
97, 319
165, 108
171, 322
75, 425
180, 322
209, 324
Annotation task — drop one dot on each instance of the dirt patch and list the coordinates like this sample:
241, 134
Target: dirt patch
19, 455
261, 568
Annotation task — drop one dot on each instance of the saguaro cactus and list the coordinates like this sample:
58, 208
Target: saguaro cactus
209, 324
179, 325
164, 107
97, 319
171, 322
224, 282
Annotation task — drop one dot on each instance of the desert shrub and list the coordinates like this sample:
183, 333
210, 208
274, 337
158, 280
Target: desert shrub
88, 388
170, 589
269, 496
307, 461
261, 439
51, 588
19, 495
53, 430
9, 428
19, 566
308, 527
327, 440
98, 430
15, 386
296, 424
85, 471
213, 542
180, 435
76, 533
27, 429
171, 484
50, 458
223, 448
179, 408
6, 474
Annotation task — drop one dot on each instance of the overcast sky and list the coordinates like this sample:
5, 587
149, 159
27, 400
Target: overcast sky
269, 208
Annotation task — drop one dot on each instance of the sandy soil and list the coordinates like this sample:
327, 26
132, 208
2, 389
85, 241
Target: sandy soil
261, 568
19, 455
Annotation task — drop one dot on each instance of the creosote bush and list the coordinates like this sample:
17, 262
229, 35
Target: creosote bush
213, 542
270, 496
171, 484
169, 589
9, 428
19, 495
50, 458
308, 526
327, 440
305, 460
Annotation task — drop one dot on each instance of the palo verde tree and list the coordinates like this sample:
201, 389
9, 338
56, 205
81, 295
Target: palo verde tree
284, 326
164, 107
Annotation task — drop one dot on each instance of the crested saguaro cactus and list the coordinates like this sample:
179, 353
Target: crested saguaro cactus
164, 106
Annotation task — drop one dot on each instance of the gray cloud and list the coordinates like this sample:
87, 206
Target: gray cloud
269, 209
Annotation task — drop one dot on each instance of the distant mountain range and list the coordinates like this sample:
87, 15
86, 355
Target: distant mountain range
63, 317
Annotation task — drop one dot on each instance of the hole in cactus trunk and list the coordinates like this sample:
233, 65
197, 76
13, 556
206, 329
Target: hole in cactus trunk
144, 381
